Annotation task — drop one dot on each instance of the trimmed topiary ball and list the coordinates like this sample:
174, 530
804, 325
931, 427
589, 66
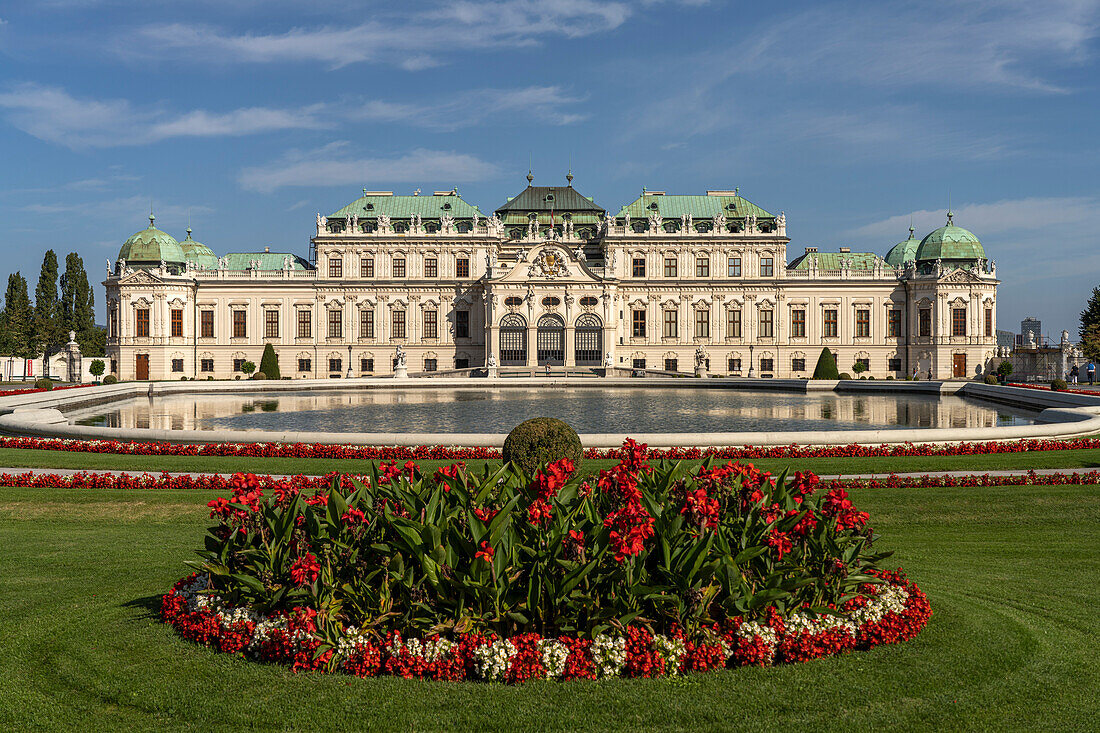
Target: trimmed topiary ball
110, 379
844, 375
43, 383
542, 440
1059, 385
990, 379
259, 375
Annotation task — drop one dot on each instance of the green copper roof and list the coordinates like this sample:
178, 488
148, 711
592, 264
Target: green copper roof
950, 243
698, 207
198, 253
151, 246
404, 207
542, 200
831, 260
268, 260
904, 251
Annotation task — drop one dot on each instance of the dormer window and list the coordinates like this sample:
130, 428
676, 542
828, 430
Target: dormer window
653, 206
446, 207
549, 197
732, 207
370, 207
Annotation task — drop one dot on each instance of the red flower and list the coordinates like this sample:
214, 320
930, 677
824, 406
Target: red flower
305, 570
353, 516
701, 510
780, 542
485, 553
485, 514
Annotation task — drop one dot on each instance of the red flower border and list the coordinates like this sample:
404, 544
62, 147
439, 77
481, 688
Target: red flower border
36, 390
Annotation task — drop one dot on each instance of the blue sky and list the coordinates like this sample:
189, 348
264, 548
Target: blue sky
851, 117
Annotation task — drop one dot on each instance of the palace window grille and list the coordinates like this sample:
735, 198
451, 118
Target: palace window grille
513, 340
399, 267
767, 365
431, 267
366, 267
335, 267
551, 302
305, 365
431, 324
305, 324
958, 321
177, 323
798, 323
206, 324
589, 302
513, 301
112, 322
671, 327
863, 323
702, 267
177, 365
431, 365
550, 340
734, 267
671, 365
767, 323
670, 267
829, 329
142, 323
462, 324
733, 324
924, 326
589, 340
271, 324
398, 331
797, 365
893, 323
639, 267
366, 365
335, 324
767, 267
988, 322
206, 365
336, 365
702, 324
637, 363
637, 324
238, 365
240, 324
734, 366
462, 267
366, 324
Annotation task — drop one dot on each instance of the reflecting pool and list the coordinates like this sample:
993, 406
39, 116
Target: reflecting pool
587, 409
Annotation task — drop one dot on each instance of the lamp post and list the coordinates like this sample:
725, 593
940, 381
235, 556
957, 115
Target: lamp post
750, 361
349, 362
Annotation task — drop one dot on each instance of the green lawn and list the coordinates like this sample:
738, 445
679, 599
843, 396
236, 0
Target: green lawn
1010, 571
20, 458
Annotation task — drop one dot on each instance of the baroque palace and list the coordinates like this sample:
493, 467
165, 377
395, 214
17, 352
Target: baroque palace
668, 282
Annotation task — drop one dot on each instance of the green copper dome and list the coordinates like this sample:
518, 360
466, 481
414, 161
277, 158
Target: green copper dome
150, 247
902, 252
198, 253
950, 244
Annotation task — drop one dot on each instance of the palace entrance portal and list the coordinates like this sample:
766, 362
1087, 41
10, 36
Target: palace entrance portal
551, 340
513, 340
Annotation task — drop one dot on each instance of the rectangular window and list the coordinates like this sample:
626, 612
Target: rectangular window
893, 323
989, 323
430, 365
177, 323
797, 365
399, 267
366, 324
702, 267
305, 323
734, 366
462, 363
366, 267
767, 267
639, 267
366, 365
462, 267
702, 324
670, 365
767, 324
866, 362
863, 323
335, 266
829, 329
336, 365
142, 321
462, 324
637, 324
305, 365
958, 321
733, 324
398, 324
734, 267
238, 365
671, 330
431, 324
798, 323
177, 365
637, 363
767, 365
206, 365
893, 365
206, 324
670, 267
431, 267
112, 319
271, 324
335, 324
925, 324
240, 324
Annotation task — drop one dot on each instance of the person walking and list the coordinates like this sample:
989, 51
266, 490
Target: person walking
1073, 374
915, 377
1090, 370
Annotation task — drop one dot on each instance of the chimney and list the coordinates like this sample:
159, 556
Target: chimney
845, 250
811, 250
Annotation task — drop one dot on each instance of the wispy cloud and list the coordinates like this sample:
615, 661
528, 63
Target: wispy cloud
549, 104
54, 115
334, 165
123, 208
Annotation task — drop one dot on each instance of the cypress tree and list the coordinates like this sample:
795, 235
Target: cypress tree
47, 309
77, 304
17, 319
269, 363
826, 366
1090, 316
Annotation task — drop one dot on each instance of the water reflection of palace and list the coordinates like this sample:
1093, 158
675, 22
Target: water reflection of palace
711, 411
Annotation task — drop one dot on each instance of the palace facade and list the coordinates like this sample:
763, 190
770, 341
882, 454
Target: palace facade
551, 277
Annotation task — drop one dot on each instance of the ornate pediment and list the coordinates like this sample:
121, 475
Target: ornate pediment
960, 276
140, 277
549, 263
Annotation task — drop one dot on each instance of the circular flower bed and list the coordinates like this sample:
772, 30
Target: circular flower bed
651, 570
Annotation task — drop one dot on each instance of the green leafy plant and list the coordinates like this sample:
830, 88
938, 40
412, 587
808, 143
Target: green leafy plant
1004, 368
96, 368
43, 383
110, 379
826, 366
859, 367
1058, 385
539, 441
248, 367
259, 375
990, 379
269, 363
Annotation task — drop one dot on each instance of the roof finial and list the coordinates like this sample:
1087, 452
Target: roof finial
950, 217
569, 177
151, 217
911, 229
364, 192
530, 177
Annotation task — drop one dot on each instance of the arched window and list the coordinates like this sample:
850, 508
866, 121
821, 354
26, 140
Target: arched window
513, 340
550, 340
589, 340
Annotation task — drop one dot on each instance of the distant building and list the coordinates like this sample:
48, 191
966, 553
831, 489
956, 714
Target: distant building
1006, 339
1031, 326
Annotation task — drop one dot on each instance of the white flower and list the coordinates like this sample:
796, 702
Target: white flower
553, 654
672, 651
608, 655
491, 661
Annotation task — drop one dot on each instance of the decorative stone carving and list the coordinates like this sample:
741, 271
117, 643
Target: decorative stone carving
655, 222
580, 255
446, 223
549, 263
383, 223
750, 224
719, 223
781, 224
